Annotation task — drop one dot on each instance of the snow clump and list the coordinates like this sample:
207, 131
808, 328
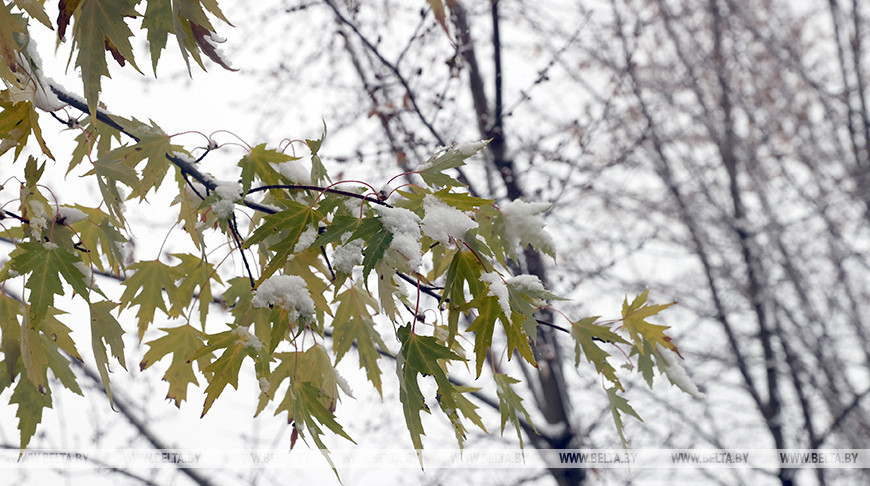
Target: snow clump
524, 226
443, 221
248, 339
228, 193
497, 288
288, 292
405, 227
348, 255
677, 374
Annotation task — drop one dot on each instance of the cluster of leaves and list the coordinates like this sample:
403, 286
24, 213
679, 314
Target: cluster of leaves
320, 263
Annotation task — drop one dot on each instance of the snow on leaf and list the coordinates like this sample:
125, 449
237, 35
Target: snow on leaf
523, 226
443, 222
182, 342
288, 292
676, 373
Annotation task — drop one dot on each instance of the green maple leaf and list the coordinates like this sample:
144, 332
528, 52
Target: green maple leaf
353, 323
145, 289
310, 399
510, 404
258, 163
31, 402
634, 321
105, 330
182, 342
10, 334
420, 355
100, 236
585, 332
39, 353
433, 169
286, 226
224, 371
101, 24
488, 311
10, 24
619, 406
453, 401
35, 9
17, 122
46, 263
195, 272
158, 22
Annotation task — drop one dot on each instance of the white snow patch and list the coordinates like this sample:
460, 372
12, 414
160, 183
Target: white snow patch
497, 288
523, 225
405, 227
264, 385
36, 87
345, 257
288, 292
468, 149
294, 170
69, 216
529, 284
305, 239
676, 373
229, 192
443, 221
248, 339
50, 246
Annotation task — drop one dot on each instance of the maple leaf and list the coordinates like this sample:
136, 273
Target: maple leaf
46, 263
99, 235
433, 169
585, 332
237, 344
488, 311
619, 406
39, 353
634, 321
158, 22
105, 330
510, 404
10, 334
419, 355
31, 402
353, 323
310, 399
195, 272
17, 122
9, 25
66, 10
182, 342
440, 15
258, 163
287, 226
145, 289
453, 401
100, 21
36, 10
